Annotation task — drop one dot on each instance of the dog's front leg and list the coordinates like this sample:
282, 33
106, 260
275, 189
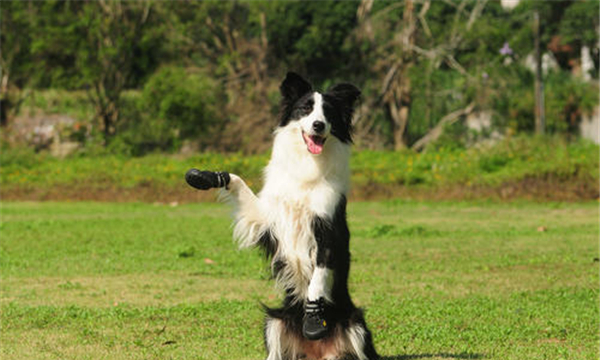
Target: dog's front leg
319, 295
320, 289
328, 282
250, 222
240, 195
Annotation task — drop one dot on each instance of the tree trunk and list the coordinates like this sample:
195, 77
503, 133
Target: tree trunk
4, 112
399, 109
106, 122
399, 104
540, 119
110, 118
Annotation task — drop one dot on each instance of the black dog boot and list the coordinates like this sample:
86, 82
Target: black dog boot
204, 180
315, 325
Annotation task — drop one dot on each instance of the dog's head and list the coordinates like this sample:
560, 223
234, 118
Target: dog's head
317, 115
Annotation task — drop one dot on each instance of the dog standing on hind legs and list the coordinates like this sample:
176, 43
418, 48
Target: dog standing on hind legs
299, 220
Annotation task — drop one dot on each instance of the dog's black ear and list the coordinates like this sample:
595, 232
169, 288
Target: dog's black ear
345, 93
294, 87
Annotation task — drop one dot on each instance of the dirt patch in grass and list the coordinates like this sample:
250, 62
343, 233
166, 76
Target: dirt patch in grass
144, 193
530, 188
550, 188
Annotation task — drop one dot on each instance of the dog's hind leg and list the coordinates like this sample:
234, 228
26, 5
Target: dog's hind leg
279, 344
359, 338
361, 342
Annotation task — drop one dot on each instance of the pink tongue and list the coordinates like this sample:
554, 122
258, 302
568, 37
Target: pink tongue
313, 147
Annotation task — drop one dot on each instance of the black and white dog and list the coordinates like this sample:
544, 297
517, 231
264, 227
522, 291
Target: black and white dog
299, 220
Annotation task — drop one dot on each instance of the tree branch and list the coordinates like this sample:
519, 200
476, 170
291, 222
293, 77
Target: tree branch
475, 13
435, 133
422, 19
451, 61
388, 79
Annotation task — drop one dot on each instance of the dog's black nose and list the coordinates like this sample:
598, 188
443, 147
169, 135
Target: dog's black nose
318, 126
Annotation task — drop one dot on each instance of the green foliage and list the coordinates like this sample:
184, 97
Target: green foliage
567, 97
75, 104
102, 47
120, 170
79, 44
57, 35
23, 158
580, 23
175, 105
16, 66
453, 138
432, 97
16, 38
310, 37
187, 101
102, 50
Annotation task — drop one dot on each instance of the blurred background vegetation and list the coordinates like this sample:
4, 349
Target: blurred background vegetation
123, 79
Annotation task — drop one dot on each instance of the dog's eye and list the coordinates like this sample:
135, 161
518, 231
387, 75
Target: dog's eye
306, 108
303, 109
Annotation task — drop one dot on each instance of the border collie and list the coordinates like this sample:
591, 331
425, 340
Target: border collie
299, 220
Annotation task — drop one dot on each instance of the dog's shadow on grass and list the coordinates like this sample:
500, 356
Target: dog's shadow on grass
429, 356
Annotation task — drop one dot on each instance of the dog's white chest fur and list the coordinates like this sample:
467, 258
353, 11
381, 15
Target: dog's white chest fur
291, 216
291, 224
298, 187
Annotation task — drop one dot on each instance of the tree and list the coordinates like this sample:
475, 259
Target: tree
15, 55
414, 41
311, 37
115, 29
101, 41
228, 40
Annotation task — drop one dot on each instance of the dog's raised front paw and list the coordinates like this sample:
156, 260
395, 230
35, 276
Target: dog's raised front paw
205, 180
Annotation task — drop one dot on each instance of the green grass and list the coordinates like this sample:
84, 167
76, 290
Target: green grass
469, 280
510, 160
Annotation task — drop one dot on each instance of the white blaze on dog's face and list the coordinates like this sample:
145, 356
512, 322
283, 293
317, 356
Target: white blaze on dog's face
318, 116
315, 127
308, 114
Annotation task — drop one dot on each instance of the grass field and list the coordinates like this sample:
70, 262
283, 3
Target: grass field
467, 280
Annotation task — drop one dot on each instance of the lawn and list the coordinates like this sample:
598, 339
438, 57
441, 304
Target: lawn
439, 280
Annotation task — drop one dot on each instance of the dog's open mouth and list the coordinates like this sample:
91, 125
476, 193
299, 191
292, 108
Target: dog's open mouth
314, 143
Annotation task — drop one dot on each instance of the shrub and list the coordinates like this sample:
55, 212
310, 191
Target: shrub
140, 132
176, 104
187, 101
